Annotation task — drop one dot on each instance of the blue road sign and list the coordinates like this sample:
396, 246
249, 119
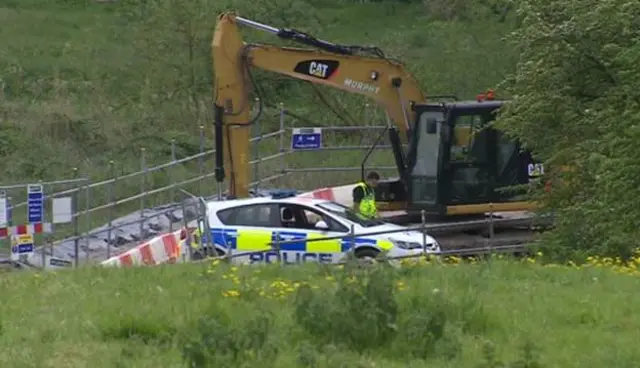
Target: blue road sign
35, 202
306, 138
22, 249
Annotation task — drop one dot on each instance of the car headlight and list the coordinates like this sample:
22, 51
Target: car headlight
434, 247
405, 244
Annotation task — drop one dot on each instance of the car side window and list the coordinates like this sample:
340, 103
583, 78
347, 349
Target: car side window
225, 215
335, 225
260, 215
302, 217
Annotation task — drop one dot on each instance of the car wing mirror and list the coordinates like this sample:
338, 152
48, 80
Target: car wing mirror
321, 225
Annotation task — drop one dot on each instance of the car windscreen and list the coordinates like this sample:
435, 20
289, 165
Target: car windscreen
349, 214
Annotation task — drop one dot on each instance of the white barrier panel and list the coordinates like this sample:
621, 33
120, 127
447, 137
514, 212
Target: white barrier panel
166, 248
342, 194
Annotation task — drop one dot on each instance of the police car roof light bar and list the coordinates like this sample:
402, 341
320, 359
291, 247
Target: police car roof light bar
283, 194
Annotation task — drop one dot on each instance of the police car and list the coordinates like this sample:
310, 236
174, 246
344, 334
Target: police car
251, 230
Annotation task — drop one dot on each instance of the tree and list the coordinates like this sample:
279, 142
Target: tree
576, 103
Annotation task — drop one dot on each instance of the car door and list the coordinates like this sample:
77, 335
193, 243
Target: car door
248, 232
302, 227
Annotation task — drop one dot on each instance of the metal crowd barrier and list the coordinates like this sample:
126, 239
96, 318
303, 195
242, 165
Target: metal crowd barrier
424, 228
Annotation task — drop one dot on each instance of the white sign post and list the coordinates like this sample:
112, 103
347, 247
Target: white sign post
62, 210
3, 209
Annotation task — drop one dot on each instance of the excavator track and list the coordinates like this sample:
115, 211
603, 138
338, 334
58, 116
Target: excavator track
514, 242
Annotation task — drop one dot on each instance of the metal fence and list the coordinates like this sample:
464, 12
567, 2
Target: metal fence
335, 156
491, 244
117, 212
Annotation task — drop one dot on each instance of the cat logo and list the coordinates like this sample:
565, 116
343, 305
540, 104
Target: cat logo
318, 69
321, 69
535, 170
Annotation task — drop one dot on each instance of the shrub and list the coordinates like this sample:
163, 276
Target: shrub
361, 312
220, 341
147, 330
528, 357
431, 326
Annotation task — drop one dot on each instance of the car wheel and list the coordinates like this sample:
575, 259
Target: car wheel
197, 255
206, 252
367, 256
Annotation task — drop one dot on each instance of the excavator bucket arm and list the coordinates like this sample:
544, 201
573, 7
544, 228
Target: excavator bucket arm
342, 67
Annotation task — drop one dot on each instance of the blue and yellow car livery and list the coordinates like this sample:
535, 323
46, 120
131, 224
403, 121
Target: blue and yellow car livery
261, 246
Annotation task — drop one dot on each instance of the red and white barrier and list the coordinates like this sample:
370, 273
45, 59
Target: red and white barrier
166, 248
342, 194
37, 228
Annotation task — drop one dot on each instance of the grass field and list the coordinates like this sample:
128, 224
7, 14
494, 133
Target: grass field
494, 314
93, 82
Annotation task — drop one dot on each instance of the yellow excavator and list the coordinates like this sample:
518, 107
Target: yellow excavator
455, 163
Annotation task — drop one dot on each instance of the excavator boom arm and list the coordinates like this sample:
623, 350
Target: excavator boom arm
341, 67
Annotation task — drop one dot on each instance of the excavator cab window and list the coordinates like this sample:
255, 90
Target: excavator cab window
468, 144
432, 126
424, 156
456, 158
470, 165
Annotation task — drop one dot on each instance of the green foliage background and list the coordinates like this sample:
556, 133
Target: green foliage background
577, 103
95, 81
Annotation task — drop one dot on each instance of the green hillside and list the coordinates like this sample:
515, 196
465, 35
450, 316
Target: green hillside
86, 82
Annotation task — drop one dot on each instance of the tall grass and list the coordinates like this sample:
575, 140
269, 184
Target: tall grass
493, 314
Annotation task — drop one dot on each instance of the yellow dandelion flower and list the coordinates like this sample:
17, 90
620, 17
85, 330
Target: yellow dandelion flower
231, 293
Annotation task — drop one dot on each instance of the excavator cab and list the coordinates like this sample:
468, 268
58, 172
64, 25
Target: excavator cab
457, 163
